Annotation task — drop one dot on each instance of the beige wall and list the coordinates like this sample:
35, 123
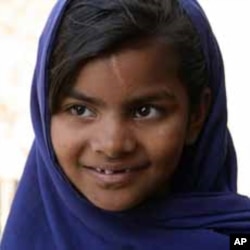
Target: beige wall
21, 22
7, 191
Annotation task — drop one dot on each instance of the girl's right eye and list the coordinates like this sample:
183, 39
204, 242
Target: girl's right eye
81, 111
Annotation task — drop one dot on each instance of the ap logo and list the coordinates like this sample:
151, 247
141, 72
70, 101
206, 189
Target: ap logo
239, 241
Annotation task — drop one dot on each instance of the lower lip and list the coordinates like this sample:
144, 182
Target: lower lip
118, 179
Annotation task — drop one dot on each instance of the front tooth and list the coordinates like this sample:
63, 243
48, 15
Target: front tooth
108, 172
99, 170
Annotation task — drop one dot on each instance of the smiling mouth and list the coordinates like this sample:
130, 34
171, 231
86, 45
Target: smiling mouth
125, 170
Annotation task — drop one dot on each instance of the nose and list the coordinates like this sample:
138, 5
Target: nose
113, 139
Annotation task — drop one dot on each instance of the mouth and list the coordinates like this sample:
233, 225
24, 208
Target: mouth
115, 176
106, 170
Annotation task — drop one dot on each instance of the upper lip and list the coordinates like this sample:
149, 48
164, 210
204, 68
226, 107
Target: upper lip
117, 167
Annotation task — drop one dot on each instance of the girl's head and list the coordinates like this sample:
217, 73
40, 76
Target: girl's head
128, 91
91, 29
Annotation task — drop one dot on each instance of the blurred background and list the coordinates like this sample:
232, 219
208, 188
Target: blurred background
21, 22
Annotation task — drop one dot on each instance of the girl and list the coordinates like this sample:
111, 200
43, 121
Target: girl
131, 146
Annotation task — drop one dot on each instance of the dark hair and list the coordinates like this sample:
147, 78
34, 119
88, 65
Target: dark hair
91, 28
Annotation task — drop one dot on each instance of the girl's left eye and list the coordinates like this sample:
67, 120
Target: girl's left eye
147, 112
81, 110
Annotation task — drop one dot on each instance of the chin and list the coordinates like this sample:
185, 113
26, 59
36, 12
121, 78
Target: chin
113, 206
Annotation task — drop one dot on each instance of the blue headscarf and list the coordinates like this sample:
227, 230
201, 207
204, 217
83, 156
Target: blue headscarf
48, 213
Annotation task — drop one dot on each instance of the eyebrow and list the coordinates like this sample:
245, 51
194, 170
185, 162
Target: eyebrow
82, 97
152, 97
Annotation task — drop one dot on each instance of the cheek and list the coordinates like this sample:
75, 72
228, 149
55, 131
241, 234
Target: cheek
67, 143
166, 143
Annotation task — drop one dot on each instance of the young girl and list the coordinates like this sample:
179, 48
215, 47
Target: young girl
131, 146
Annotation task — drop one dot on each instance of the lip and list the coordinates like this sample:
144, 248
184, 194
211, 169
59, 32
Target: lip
115, 175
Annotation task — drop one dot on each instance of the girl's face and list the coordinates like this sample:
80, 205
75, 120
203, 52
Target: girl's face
120, 132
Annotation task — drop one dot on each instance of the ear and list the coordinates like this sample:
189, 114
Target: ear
198, 117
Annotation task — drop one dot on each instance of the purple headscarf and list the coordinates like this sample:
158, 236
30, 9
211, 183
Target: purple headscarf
48, 213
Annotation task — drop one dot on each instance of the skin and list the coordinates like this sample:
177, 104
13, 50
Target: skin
118, 126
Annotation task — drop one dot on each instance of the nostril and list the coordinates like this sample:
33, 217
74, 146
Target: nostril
114, 145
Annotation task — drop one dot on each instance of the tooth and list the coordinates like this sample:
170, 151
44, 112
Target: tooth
98, 170
128, 170
108, 172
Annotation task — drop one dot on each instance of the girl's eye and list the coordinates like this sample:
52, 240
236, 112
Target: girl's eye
147, 111
81, 110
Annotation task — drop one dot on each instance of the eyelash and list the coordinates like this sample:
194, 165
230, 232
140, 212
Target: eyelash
158, 111
73, 110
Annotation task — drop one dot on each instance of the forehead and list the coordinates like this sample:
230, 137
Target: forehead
131, 73
142, 61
